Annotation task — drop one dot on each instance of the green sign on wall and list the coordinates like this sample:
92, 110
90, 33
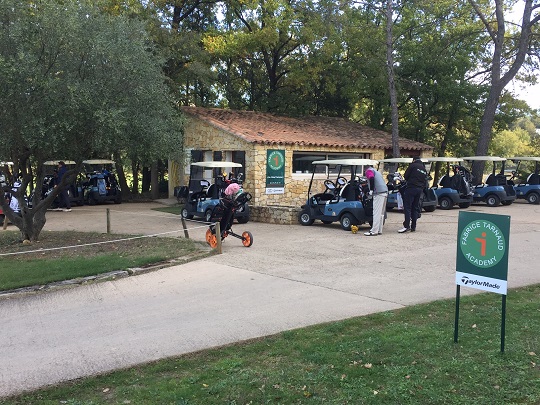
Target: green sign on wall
482, 251
275, 171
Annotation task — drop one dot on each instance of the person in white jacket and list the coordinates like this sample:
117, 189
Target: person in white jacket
379, 190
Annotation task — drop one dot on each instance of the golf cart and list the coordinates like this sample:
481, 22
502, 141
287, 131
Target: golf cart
530, 190
496, 189
345, 200
395, 182
100, 185
453, 189
75, 191
205, 189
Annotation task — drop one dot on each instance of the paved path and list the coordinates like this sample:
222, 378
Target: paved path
292, 276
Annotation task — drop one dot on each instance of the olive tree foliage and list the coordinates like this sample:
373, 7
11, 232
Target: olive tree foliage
88, 87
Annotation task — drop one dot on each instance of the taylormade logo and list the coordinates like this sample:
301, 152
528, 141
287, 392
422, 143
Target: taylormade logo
472, 282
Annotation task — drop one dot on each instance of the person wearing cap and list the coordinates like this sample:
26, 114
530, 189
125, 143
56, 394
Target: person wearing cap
64, 197
379, 190
416, 176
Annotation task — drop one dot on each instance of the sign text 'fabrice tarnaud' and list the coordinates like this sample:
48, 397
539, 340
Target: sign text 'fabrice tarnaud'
482, 251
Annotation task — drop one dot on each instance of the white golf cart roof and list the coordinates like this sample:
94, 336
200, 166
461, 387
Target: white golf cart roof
346, 162
396, 160
98, 162
443, 159
528, 158
6, 163
484, 158
55, 162
213, 164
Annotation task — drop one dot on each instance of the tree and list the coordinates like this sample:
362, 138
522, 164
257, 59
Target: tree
391, 77
89, 87
510, 51
510, 143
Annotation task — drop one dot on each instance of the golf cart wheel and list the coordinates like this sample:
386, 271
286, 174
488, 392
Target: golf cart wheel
492, 200
446, 203
208, 215
533, 198
507, 202
247, 239
346, 221
464, 205
429, 208
305, 218
91, 201
185, 213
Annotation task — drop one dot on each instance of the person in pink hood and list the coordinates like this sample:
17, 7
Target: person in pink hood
232, 189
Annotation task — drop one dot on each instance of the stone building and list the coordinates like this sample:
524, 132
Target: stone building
254, 139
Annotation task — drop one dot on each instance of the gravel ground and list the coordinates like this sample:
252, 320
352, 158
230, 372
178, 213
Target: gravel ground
292, 276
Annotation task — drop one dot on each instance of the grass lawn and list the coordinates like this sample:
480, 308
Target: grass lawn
398, 357
173, 209
44, 266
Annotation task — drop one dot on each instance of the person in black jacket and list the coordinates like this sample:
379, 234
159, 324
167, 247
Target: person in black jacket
416, 176
64, 196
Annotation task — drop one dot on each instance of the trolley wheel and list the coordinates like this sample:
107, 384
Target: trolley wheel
208, 235
212, 241
247, 239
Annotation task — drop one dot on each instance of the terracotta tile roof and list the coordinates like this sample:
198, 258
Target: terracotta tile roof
267, 128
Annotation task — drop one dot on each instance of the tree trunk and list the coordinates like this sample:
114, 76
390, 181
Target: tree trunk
488, 118
122, 181
391, 79
154, 180
447, 134
135, 176
32, 220
145, 179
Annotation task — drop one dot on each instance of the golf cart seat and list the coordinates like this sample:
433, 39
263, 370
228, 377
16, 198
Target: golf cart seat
212, 192
323, 198
201, 195
491, 180
350, 192
533, 179
445, 181
496, 180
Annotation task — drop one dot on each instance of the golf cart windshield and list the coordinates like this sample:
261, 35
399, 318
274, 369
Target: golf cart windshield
211, 170
493, 178
531, 173
210, 178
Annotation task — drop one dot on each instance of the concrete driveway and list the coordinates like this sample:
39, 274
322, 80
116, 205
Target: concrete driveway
292, 276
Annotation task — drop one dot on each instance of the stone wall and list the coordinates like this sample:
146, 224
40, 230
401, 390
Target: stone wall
275, 215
